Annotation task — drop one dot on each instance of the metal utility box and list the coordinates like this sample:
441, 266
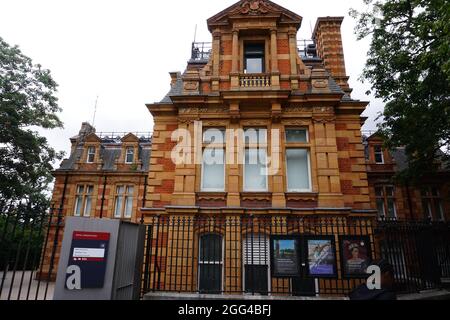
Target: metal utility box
101, 259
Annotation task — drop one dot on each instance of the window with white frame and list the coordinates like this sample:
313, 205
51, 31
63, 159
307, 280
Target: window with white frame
385, 198
213, 163
255, 160
83, 200
129, 155
378, 154
298, 168
123, 204
432, 203
90, 155
256, 255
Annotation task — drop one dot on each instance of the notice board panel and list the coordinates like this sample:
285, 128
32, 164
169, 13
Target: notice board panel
89, 251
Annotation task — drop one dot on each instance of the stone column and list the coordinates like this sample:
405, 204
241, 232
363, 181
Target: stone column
275, 74
235, 51
235, 59
293, 54
232, 166
277, 169
216, 61
273, 49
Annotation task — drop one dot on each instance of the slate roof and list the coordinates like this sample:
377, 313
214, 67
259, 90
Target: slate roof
400, 158
175, 90
109, 153
334, 87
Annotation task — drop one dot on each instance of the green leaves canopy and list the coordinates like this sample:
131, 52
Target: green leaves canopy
408, 67
27, 101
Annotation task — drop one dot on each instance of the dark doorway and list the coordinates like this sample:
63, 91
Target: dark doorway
210, 264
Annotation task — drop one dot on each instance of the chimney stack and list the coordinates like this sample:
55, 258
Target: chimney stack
174, 76
86, 129
328, 38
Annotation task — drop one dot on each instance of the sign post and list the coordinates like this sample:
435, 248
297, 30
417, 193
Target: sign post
96, 258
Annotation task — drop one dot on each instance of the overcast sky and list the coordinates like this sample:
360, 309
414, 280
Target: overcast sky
122, 52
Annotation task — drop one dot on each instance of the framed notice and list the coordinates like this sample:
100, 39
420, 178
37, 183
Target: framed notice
355, 256
89, 251
320, 256
285, 259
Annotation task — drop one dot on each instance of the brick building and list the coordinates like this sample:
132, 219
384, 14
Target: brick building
254, 87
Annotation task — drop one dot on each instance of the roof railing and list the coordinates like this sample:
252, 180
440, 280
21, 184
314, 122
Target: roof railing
307, 49
116, 136
201, 51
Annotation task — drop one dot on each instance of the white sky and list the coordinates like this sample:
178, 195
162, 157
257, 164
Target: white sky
122, 52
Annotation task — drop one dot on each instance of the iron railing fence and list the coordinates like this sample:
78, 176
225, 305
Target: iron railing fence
235, 254
29, 243
418, 250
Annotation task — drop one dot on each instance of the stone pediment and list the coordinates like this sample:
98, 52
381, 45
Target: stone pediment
130, 137
254, 9
92, 137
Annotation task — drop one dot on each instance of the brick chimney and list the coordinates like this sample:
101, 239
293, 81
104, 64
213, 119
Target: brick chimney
327, 35
86, 129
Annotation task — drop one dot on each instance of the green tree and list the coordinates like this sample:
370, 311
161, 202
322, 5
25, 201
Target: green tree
408, 67
27, 102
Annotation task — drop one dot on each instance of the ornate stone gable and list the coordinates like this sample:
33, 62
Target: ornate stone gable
254, 8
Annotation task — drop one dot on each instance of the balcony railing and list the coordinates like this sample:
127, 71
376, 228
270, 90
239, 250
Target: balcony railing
254, 80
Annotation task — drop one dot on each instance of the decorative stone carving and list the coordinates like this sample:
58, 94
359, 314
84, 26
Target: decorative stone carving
191, 82
253, 123
320, 83
297, 109
254, 7
192, 110
256, 196
323, 109
185, 121
215, 123
324, 120
191, 86
297, 122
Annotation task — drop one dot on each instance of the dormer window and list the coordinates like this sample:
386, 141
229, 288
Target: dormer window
378, 153
254, 61
129, 156
90, 155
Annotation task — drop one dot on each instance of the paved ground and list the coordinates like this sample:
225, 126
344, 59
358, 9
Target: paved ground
21, 285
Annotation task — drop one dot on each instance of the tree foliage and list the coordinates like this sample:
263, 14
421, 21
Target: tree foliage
408, 67
27, 102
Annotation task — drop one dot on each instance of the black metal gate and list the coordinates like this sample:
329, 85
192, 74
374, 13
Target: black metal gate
28, 252
419, 252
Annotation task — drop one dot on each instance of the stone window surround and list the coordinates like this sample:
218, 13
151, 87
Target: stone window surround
298, 145
84, 195
124, 196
